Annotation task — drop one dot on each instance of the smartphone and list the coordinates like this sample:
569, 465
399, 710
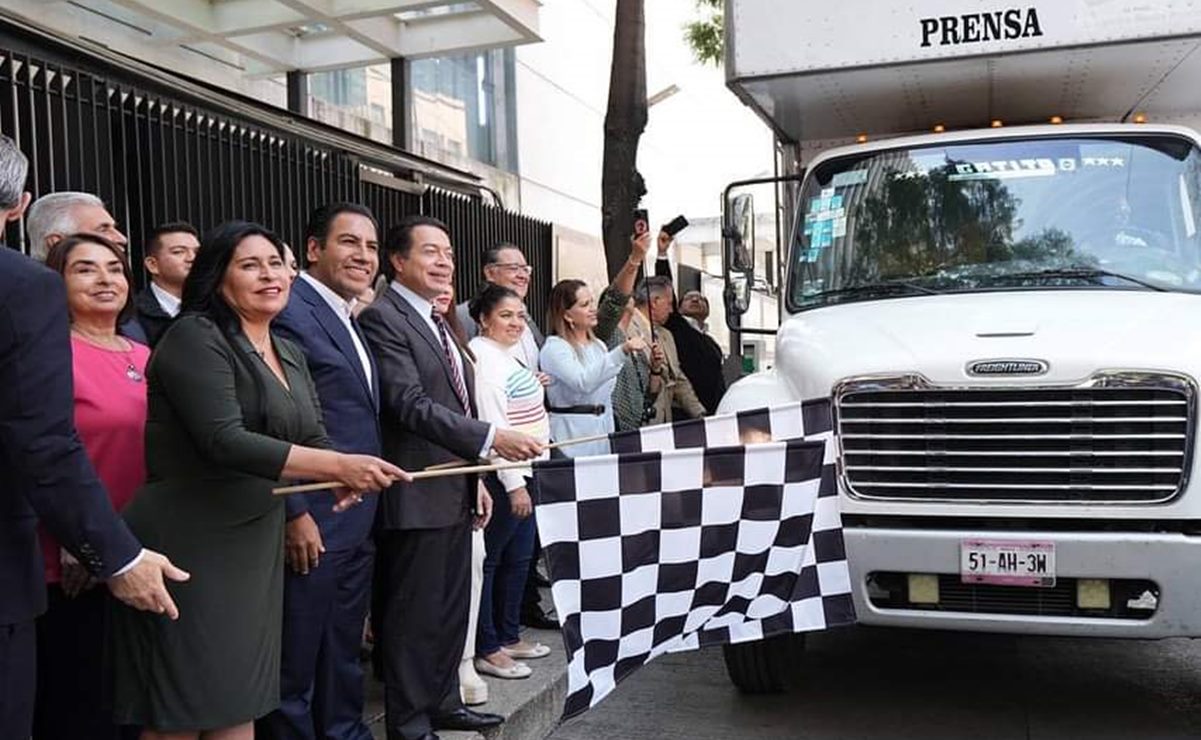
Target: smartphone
642, 222
676, 225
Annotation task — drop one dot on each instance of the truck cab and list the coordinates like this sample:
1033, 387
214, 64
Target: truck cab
1000, 321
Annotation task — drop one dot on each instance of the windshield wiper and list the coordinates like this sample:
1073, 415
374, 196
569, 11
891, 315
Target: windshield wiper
1080, 273
882, 288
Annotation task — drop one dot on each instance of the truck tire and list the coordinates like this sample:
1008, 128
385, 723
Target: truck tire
763, 666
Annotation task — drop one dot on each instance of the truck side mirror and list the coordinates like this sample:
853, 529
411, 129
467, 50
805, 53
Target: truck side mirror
738, 239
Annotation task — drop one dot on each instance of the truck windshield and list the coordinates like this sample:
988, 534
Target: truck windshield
1116, 213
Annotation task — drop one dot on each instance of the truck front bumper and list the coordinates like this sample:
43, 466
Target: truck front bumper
1171, 561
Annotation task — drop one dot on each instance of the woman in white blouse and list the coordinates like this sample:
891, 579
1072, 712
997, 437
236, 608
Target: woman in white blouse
510, 396
582, 370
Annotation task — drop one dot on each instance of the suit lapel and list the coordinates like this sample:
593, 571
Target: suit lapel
334, 328
370, 361
421, 327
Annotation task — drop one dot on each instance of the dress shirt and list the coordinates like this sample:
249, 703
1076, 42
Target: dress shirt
342, 309
168, 302
425, 310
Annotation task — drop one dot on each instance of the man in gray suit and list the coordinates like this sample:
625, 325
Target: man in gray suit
424, 528
505, 265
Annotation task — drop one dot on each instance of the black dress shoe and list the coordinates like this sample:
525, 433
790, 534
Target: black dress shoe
429, 736
539, 621
466, 719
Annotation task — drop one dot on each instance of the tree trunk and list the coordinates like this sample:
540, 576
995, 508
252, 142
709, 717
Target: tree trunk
621, 185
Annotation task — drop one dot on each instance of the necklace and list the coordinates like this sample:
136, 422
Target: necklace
116, 344
260, 347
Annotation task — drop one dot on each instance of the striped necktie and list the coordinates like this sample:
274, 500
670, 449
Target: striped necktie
460, 387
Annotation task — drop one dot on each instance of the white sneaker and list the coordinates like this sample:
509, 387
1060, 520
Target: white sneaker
472, 688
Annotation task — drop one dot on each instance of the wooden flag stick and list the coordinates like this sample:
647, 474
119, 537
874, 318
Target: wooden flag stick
419, 475
551, 446
455, 467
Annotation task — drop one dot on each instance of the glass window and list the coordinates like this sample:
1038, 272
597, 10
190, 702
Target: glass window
358, 100
468, 100
1063, 213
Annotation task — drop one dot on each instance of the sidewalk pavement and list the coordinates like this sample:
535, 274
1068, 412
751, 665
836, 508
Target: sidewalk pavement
531, 706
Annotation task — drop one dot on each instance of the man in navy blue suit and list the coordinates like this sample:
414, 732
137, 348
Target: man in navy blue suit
330, 555
44, 472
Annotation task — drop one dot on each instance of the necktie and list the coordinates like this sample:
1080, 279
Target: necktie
460, 387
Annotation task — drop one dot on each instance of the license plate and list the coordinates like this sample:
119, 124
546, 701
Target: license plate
1007, 562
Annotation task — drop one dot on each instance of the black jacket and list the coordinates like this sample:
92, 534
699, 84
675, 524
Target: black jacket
151, 316
44, 472
701, 357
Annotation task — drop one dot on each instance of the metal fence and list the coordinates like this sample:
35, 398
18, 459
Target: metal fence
154, 155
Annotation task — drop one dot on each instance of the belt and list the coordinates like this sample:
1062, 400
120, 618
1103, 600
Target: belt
594, 410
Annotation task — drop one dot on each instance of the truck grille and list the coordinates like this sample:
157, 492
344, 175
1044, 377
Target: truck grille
1118, 438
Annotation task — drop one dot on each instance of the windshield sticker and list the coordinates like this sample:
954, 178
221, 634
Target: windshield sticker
811, 255
1003, 169
851, 177
820, 233
825, 207
1103, 161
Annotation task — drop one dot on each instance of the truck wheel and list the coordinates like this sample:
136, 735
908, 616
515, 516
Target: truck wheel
763, 666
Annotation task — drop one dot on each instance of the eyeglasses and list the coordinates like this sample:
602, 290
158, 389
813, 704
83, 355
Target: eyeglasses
514, 267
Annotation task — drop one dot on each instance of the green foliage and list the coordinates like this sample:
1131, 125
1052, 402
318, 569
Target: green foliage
706, 36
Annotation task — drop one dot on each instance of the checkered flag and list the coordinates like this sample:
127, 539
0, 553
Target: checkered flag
654, 552
790, 421
809, 420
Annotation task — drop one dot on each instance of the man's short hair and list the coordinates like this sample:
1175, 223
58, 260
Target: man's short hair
322, 218
14, 166
154, 241
399, 239
492, 256
51, 214
653, 285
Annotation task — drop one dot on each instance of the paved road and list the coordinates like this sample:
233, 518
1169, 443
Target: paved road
875, 683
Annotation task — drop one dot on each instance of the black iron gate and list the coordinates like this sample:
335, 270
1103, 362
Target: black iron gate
154, 155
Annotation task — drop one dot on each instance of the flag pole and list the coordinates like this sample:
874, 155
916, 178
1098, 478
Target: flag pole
419, 475
551, 446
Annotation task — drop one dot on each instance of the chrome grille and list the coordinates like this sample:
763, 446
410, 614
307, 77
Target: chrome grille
1121, 437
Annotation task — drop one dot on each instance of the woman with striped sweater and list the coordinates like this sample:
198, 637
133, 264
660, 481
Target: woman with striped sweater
509, 395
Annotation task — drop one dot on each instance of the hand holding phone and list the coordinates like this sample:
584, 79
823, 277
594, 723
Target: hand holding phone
676, 225
641, 222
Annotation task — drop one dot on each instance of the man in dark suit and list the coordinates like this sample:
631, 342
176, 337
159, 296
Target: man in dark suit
700, 356
170, 250
44, 472
428, 417
327, 590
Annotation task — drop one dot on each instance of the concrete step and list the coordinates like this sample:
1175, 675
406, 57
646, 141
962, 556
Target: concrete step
531, 706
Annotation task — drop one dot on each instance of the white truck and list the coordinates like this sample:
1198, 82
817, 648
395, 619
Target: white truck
993, 287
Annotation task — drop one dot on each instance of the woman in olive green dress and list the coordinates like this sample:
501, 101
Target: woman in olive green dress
232, 410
